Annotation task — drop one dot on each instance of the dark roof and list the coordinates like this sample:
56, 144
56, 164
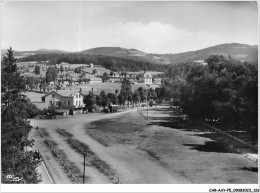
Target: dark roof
64, 93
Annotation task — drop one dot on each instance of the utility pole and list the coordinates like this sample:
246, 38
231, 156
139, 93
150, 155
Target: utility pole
147, 110
84, 169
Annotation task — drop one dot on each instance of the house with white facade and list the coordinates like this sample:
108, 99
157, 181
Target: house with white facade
146, 78
65, 98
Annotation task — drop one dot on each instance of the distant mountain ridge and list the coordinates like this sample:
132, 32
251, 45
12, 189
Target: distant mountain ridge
125, 53
242, 52
20, 54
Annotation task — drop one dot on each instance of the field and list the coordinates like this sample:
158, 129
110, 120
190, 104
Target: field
139, 150
34, 96
100, 70
36, 99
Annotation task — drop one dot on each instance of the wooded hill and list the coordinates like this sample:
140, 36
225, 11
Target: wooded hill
109, 62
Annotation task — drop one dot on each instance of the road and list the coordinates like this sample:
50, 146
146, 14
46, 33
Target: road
144, 151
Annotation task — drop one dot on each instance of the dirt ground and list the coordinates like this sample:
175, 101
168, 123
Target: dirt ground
146, 151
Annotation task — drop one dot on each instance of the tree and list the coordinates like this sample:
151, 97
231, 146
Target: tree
105, 77
94, 71
36, 83
111, 73
116, 91
90, 100
103, 97
151, 94
143, 94
121, 99
61, 69
126, 85
15, 110
125, 91
136, 96
98, 100
51, 74
37, 69
112, 98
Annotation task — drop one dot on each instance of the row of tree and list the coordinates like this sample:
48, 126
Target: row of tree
125, 96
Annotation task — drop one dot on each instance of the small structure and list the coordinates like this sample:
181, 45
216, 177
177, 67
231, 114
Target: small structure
157, 81
62, 112
200, 62
113, 108
95, 79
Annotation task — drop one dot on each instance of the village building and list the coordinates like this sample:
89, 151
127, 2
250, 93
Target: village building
157, 81
95, 79
65, 98
116, 74
146, 78
200, 62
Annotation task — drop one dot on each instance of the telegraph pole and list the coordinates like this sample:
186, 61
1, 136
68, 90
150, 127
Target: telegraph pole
84, 169
147, 110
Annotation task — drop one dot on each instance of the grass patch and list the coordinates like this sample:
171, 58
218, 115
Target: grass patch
124, 129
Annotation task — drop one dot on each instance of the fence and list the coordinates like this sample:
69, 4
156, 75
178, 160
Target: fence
228, 135
236, 139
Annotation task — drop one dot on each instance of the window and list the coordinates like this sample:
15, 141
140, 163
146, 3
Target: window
68, 103
79, 103
50, 102
53, 95
76, 102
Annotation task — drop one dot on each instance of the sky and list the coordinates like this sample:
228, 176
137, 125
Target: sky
152, 27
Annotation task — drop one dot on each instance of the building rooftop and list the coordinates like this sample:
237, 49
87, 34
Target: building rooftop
66, 92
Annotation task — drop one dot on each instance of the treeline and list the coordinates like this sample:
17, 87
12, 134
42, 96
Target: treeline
125, 96
113, 63
225, 89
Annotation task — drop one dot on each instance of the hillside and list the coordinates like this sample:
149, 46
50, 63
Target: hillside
242, 52
126, 53
21, 54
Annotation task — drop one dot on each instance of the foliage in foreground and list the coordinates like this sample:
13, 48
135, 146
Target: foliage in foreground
15, 109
